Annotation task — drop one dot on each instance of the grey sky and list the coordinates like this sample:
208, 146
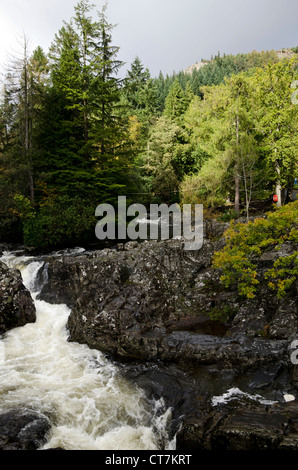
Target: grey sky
167, 35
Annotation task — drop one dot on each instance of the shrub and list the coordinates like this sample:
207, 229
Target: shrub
61, 221
245, 242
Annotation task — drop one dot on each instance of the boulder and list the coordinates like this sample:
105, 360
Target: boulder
241, 425
23, 430
146, 301
16, 304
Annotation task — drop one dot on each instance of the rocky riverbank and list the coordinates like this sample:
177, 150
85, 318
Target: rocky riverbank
16, 305
220, 362
151, 308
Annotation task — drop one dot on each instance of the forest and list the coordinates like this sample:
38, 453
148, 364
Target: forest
74, 135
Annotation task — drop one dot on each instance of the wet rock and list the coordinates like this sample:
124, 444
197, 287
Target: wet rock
241, 425
23, 430
154, 300
153, 303
16, 304
284, 323
120, 298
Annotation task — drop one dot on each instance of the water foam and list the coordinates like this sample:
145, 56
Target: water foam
89, 403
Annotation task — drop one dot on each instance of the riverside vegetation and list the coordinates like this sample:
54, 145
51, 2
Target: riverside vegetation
185, 326
74, 135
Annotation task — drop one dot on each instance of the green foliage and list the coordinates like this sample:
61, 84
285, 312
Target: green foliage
177, 102
158, 160
284, 274
248, 129
207, 186
60, 222
73, 135
222, 314
277, 120
23, 207
228, 216
214, 72
245, 243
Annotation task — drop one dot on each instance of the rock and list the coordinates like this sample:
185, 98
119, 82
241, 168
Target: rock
16, 304
284, 323
130, 303
153, 305
153, 301
243, 425
188, 390
23, 430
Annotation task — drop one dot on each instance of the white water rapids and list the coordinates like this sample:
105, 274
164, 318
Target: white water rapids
91, 406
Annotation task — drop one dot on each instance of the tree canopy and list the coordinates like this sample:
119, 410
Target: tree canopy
74, 135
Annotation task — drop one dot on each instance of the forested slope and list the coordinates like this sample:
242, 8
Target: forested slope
73, 135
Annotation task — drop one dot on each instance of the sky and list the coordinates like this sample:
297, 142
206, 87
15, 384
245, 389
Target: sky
167, 35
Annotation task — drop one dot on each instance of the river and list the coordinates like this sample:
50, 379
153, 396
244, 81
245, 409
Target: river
90, 404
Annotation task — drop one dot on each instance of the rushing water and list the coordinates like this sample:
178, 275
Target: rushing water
91, 406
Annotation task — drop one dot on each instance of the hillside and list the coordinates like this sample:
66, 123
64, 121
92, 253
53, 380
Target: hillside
280, 54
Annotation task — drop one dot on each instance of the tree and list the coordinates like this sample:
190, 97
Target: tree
278, 123
140, 95
159, 158
177, 101
223, 125
245, 243
94, 136
20, 112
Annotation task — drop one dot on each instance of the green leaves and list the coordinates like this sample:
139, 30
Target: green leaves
61, 221
245, 243
283, 275
251, 125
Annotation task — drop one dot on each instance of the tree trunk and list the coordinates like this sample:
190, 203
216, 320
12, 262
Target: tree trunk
278, 183
237, 178
86, 133
27, 143
237, 193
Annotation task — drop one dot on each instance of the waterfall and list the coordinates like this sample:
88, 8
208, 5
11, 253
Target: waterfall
90, 405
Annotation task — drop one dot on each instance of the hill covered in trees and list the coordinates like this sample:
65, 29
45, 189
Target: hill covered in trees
73, 135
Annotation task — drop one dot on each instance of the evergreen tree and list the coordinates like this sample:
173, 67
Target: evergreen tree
158, 159
85, 83
176, 102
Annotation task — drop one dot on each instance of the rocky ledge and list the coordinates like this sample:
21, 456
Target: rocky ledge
16, 304
242, 425
157, 301
161, 314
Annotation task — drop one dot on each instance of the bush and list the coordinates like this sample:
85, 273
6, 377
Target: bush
228, 216
60, 222
246, 242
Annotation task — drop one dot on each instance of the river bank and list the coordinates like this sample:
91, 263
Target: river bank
148, 307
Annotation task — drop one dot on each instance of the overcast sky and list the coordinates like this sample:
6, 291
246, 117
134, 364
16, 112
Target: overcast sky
167, 35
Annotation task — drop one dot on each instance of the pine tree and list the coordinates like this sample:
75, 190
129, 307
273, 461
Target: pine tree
92, 131
176, 102
140, 92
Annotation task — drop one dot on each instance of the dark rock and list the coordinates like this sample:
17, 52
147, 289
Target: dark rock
151, 304
121, 301
241, 425
16, 304
23, 430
